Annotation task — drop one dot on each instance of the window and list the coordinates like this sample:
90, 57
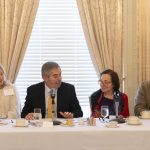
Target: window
57, 35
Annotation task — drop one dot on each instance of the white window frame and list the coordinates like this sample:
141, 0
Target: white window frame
57, 35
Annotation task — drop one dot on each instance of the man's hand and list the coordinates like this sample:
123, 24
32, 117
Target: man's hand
66, 114
29, 116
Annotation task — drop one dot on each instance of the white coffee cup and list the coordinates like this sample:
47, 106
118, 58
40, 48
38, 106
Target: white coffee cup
145, 114
133, 120
20, 122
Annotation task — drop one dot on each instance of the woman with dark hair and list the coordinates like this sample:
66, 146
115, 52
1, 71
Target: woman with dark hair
109, 85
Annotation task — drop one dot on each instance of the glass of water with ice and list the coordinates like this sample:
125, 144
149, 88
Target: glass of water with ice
37, 114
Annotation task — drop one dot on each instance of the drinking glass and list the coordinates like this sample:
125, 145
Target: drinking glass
104, 112
37, 114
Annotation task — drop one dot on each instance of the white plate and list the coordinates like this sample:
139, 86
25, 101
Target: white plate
3, 123
109, 126
134, 123
64, 125
26, 125
35, 121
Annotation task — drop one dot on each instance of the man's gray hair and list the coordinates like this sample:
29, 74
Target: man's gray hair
47, 67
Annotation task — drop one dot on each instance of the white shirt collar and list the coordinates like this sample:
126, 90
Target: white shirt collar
47, 89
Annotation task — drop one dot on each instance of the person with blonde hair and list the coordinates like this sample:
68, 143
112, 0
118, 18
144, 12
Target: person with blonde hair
8, 97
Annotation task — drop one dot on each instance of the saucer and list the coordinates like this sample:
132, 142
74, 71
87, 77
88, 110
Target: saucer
109, 126
65, 125
139, 123
3, 123
3, 117
20, 126
26, 125
142, 117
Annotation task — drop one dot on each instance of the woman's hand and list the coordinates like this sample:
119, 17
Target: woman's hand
97, 114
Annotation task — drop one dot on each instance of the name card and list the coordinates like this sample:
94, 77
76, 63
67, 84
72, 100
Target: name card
47, 124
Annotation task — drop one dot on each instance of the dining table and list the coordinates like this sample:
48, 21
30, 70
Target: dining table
79, 136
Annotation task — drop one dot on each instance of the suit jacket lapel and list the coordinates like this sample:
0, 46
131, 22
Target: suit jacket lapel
42, 98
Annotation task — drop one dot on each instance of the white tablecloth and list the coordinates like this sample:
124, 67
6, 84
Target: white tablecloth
99, 137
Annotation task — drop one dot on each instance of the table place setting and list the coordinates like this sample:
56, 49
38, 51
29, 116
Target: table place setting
49, 123
74, 122
45, 123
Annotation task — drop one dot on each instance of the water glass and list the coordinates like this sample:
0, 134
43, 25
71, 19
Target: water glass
37, 114
104, 111
12, 115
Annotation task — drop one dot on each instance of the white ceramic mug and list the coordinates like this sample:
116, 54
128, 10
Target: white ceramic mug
145, 114
133, 120
20, 122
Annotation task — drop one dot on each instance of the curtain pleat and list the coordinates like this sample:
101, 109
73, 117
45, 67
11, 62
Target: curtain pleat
16, 22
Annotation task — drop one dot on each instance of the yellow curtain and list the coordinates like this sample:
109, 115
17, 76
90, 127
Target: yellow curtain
143, 38
118, 36
136, 45
16, 22
102, 25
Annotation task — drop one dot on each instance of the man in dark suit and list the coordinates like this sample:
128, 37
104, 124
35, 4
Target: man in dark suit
67, 103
